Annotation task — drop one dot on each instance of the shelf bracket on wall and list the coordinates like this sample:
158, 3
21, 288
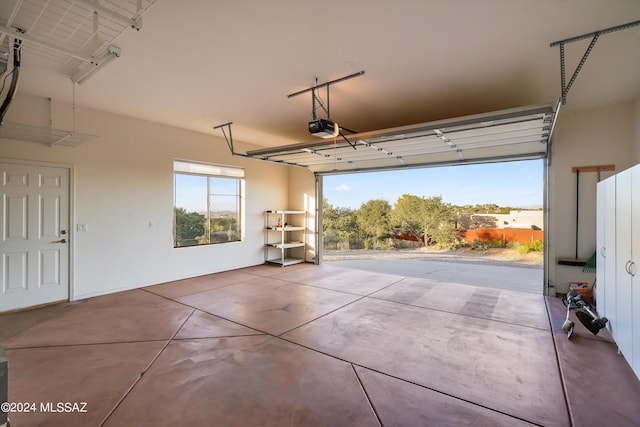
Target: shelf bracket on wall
594, 38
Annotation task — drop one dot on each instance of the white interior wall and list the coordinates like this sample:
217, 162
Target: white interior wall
583, 138
124, 182
302, 197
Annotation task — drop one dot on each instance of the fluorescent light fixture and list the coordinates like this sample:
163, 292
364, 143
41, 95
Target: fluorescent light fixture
90, 69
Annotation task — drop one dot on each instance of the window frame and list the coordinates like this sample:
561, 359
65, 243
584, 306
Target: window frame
210, 172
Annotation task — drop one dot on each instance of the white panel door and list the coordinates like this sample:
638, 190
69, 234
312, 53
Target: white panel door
34, 268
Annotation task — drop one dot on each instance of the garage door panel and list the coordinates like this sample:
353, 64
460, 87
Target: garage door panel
521, 133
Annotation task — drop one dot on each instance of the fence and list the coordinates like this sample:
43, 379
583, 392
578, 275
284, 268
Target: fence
505, 235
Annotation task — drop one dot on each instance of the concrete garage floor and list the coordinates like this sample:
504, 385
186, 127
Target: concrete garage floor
315, 346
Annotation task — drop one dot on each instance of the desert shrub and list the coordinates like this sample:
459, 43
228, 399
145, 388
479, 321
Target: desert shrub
493, 243
477, 245
535, 246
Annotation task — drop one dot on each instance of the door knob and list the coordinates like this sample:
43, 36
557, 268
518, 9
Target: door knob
60, 241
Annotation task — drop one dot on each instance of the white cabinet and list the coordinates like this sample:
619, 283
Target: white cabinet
606, 246
620, 283
627, 329
285, 237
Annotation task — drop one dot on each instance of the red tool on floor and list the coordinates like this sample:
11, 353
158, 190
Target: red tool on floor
590, 320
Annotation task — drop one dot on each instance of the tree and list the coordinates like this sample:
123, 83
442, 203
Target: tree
408, 215
348, 231
430, 219
190, 227
374, 220
339, 225
438, 221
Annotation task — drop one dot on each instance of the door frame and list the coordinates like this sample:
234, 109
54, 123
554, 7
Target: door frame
72, 179
546, 168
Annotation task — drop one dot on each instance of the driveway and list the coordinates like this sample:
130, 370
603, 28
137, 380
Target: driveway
466, 268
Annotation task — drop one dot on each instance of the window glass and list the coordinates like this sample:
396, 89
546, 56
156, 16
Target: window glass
207, 208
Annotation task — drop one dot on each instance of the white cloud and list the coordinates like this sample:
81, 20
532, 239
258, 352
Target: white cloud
342, 187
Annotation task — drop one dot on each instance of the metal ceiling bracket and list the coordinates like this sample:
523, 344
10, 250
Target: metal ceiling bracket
228, 138
316, 99
327, 84
594, 38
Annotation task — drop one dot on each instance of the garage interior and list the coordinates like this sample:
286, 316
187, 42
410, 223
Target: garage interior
114, 92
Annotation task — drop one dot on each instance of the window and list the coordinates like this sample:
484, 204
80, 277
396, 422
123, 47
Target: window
207, 203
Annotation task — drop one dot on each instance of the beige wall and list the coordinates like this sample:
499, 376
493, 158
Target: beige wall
302, 197
583, 138
124, 180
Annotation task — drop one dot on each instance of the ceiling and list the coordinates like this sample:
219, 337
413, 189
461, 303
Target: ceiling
196, 64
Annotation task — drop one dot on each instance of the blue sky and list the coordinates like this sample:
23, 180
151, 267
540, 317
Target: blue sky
515, 184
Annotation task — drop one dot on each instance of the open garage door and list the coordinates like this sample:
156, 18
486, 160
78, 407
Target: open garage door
514, 134
507, 135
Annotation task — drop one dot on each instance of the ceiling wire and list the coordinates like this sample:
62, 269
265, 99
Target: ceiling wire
73, 108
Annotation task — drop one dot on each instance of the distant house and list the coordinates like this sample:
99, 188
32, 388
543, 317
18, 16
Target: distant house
529, 219
518, 225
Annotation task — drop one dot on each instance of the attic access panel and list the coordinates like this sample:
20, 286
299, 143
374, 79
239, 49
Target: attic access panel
514, 134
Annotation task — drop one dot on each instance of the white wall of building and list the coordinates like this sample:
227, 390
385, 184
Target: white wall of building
584, 138
124, 181
517, 219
